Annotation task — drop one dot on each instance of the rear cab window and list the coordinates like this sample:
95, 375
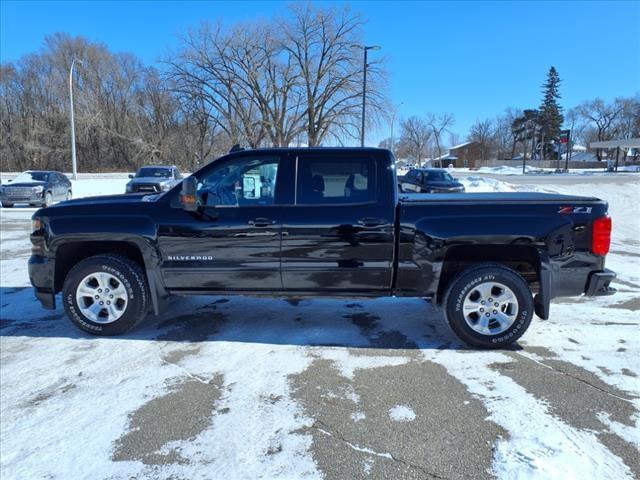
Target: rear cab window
324, 180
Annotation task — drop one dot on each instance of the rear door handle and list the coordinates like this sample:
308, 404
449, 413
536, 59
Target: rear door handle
371, 222
261, 222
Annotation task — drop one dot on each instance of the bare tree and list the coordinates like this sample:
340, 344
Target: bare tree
627, 124
270, 82
505, 137
602, 116
439, 124
324, 44
415, 135
454, 139
483, 133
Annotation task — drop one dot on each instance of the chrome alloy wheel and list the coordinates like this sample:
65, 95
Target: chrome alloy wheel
490, 308
101, 297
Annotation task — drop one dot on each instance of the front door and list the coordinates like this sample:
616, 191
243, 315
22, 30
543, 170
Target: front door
233, 242
338, 237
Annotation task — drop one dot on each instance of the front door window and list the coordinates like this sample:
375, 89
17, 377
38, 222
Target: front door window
240, 182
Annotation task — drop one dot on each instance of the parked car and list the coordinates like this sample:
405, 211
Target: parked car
430, 180
154, 179
321, 222
37, 188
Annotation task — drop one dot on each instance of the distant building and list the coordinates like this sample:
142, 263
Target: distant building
463, 155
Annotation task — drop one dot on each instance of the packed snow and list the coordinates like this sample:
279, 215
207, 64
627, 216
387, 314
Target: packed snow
71, 405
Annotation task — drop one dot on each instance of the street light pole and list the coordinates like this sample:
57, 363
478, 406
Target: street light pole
73, 127
364, 88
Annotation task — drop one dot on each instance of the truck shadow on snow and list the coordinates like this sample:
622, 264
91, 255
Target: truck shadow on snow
383, 323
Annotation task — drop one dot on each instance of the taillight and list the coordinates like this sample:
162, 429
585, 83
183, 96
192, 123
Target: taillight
601, 236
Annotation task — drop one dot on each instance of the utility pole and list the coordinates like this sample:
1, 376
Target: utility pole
73, 126
393, 120
366, 49
524, 154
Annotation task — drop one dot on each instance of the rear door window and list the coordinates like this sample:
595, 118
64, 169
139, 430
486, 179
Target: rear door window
323, 180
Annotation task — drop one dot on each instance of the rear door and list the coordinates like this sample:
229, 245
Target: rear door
55, 181
64, 184
338, 236
233, 242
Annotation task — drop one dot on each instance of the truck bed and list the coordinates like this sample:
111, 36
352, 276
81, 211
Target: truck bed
502, 197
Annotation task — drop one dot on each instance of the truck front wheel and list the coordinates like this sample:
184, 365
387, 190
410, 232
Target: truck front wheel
489, 306
105, 294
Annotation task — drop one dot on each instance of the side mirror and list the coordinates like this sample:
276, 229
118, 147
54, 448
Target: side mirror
130, 176
188, 195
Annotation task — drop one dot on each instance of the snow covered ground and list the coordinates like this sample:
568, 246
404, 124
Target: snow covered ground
244, 387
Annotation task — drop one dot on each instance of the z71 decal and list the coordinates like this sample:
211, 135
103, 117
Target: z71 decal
568, 210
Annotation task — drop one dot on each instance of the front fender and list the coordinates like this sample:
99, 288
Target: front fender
136, 230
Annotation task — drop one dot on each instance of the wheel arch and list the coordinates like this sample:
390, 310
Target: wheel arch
524, 259
70, 253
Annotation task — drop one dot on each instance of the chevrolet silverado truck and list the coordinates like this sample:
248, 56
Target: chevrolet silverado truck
320, 222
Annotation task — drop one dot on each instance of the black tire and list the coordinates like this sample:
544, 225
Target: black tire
124, 270
69, 195
48, 199
465, 284
7, 205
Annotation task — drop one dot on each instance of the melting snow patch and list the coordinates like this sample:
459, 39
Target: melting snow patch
357, 416
402, 413
630, 434
348, 363
368, 463
540, 445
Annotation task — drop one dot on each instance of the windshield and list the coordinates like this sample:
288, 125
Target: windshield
154, 172
436, 176
28, 177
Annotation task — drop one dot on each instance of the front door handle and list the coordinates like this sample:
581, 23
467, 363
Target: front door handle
261, 222
371, 222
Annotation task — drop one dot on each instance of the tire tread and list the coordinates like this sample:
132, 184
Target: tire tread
470, 272
125, 263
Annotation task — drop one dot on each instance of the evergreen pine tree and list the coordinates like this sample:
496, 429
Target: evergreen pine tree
551, 117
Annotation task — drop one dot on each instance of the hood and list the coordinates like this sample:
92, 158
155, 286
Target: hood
24, 184
443, 184
157, 180
129, 198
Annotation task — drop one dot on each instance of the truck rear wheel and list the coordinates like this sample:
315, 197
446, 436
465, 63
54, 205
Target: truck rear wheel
105, 294
489, 306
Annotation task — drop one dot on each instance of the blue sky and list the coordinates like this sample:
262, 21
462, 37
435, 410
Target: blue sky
470, 58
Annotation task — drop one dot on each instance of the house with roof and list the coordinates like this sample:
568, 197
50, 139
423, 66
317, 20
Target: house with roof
464, 155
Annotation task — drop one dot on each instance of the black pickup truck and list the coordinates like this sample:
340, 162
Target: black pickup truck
320, 222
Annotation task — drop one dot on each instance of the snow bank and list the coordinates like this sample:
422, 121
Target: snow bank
482, 184
89, 187
532, 169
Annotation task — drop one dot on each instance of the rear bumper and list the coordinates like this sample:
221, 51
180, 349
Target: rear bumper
41, 275
598, 283
583, 274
